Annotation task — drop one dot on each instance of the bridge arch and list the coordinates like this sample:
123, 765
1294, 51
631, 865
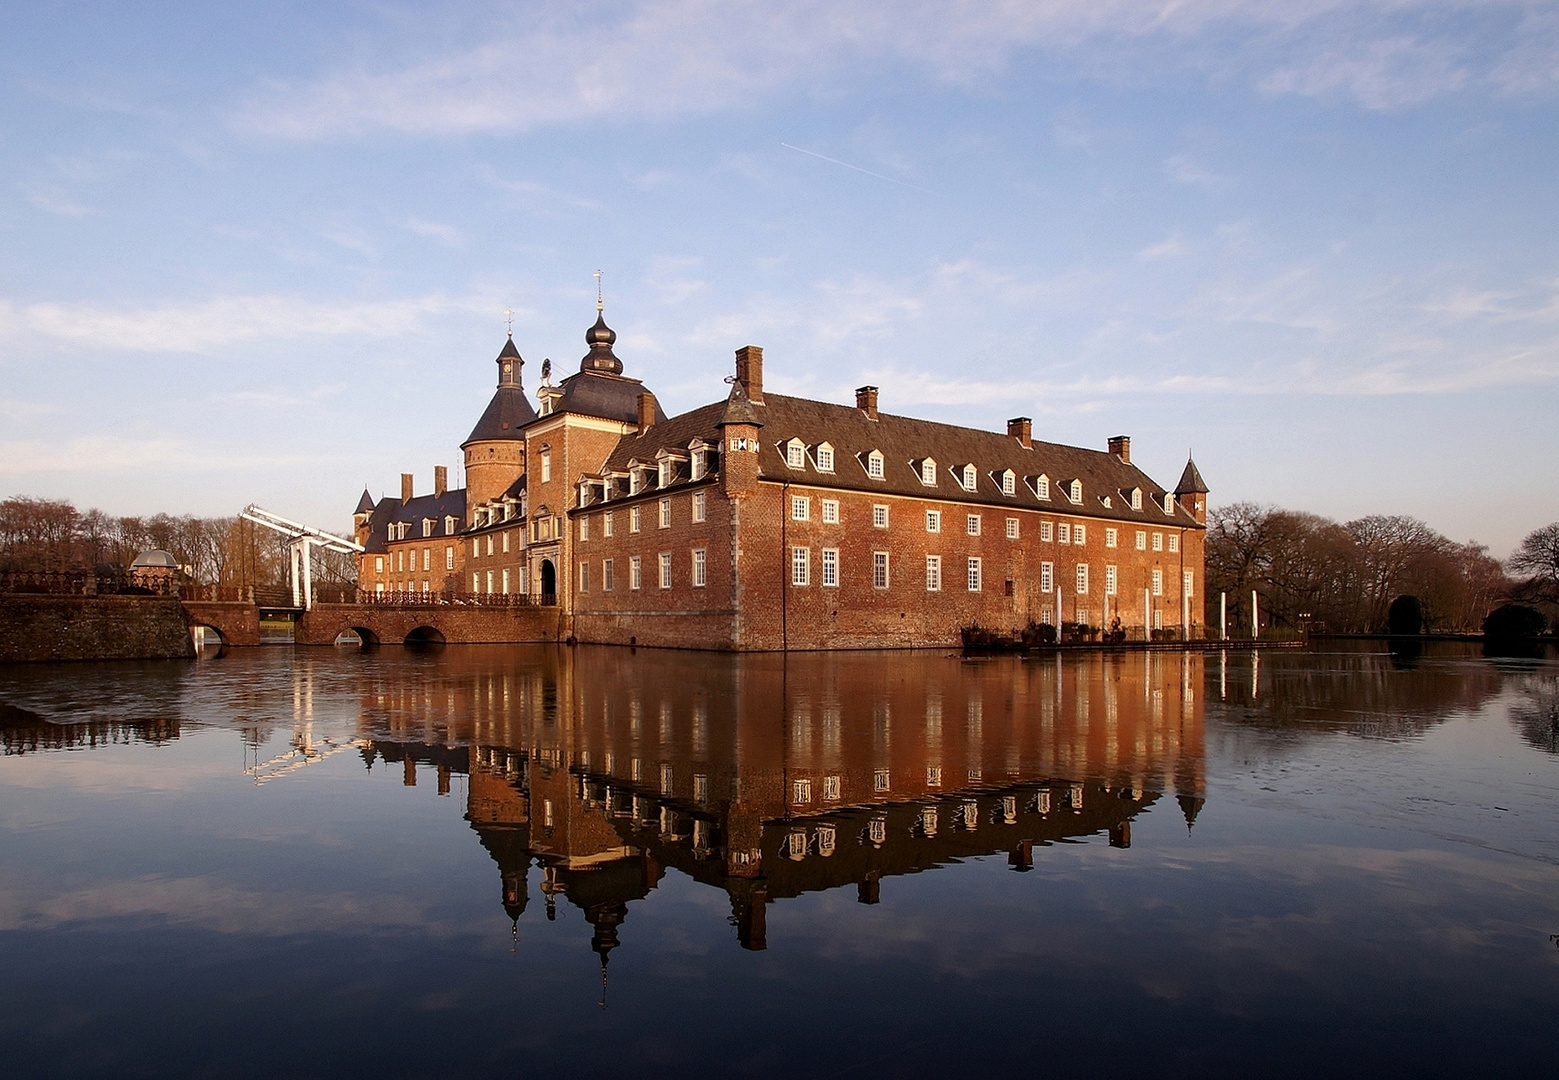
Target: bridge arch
366, 638
425, 635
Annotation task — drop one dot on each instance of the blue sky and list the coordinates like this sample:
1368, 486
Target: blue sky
263, 254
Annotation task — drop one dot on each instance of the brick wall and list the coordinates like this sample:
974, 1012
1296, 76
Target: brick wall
34, 628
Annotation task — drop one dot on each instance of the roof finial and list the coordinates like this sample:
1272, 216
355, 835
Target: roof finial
508, 320
598, 304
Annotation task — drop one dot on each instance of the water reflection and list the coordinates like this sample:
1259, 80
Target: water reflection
772, 777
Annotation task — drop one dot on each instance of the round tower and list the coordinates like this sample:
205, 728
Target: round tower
495, 450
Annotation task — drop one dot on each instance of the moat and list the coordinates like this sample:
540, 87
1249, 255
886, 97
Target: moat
526, 860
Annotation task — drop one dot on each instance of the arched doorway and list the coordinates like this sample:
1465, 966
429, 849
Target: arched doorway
549, 582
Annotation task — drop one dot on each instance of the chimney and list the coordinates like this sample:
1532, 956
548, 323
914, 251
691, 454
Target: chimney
866, 400
1022, 429
1120, 446
749, 372
646, 411
440, 479
405, 488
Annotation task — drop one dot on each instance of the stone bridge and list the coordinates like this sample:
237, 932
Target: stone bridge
392, 624
238, 622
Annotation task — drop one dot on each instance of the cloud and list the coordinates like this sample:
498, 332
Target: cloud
208, 326
677, 57
1170, 247
1183, 170
447, 235
100, 454
60, 206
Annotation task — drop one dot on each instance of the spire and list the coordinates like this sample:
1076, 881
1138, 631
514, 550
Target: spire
738, 410
1190, 806
1191, 482
365, 505
510, 364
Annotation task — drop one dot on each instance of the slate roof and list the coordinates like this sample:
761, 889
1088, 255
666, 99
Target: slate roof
1191, 482
596, 393
365, 505
438, 507
904, 442
504, 416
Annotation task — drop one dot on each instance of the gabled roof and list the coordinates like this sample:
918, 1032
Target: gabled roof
437, 507
903, 439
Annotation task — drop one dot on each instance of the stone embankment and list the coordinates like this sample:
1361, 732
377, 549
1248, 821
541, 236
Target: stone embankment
41, 627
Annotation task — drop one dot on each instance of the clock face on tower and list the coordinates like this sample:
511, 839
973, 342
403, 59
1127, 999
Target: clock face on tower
507, 367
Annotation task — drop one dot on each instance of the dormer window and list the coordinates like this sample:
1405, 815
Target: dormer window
1169, 504
1009, 483
663, 474
449, 525
635, 478
970, 478
1106, 502
928, 472
825, 458
1136, 498
874, 465
1042, 486
796, 454
427, 526
1075, 492
697, 464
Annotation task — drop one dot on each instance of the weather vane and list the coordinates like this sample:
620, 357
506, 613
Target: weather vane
598, 304
508, 318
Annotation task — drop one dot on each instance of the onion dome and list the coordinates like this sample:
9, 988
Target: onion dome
601, 338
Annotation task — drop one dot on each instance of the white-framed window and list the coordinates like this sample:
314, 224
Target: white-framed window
700, 505
700, 568
1009, 483
635, 480
830, 567
974, 574
879, 517
874, 465
1063, 533
489, 543
1076, 492
971, 478
1158, 620
1136, 498
973, 524
831, 788
427, 558
476, 582
665, 569
449, 525
606, 523
1142, 540
696, 465
1110, 580
378, 564
933, 521
928, 471
505, 542
1111, 537
1158, 541
800, 508
1186, 581
1174, 542
1012, 528
524, 580
880, 782
584, 577
1047, 531
933, 573
933, 776
584, 530
634, 518
801, 791
1079, 534
506, 583
800, 566
379, 589
1047, 577
665, 513
1169, 504
830, 511
795, 454
1158, 582
879, 569
1042, 487
546, 467
1082, 579
489, 581
608, 578
663, 474
825, 458
635, 572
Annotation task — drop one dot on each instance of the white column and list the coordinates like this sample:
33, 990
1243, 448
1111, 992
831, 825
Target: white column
1223, 616
1147, 614
1185, 610
308, 575
1255, 616
292, 553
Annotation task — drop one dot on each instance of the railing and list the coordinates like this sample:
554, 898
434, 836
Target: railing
442, 599
74, 583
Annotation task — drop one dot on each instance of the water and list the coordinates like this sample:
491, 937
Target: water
596, 862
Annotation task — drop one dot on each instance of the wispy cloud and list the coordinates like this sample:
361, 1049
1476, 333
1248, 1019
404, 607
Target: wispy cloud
675, 57
62, 207
447, 235
127, 454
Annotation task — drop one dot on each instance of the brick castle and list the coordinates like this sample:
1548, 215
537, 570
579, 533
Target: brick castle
767, 522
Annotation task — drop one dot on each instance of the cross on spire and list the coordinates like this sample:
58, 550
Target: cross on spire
508, 319
598, 304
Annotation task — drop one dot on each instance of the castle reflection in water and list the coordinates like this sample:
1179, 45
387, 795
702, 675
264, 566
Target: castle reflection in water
770, 777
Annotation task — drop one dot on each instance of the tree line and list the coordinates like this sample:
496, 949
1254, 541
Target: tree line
1310, 570
52, 536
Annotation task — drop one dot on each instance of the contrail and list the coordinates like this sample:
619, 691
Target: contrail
857, 168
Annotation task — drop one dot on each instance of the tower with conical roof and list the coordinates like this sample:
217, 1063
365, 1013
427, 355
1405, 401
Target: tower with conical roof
1191, 492
495, 449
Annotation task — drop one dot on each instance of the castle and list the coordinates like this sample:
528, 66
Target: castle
767, 522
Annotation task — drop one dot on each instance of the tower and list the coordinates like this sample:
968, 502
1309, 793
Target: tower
1191, 492
495, 449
